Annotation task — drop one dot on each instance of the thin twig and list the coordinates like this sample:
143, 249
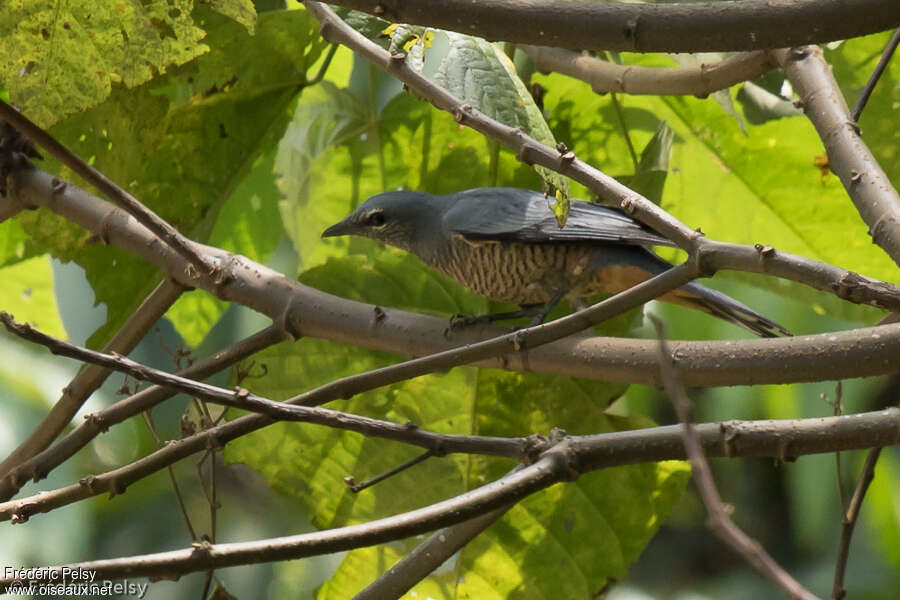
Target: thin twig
719, 520
620, 117
323, 68
76, 393
148, 420
241, 398
358, 487
860, 103
110, 189
848, 522
838, 411
41, 464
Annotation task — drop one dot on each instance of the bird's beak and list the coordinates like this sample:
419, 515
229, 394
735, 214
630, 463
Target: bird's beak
342, 228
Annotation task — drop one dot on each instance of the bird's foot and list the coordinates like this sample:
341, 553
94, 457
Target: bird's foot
458, 322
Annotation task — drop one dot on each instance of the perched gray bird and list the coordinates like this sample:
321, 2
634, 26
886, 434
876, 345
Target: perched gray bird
504, 244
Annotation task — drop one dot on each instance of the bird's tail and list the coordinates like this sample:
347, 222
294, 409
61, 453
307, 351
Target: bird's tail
693, 295
700, 297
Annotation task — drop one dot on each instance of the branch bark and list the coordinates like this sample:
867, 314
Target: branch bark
782, 440
575, 455
688, 27
604, 76
301, 310
37, 467
76, 393
849, 158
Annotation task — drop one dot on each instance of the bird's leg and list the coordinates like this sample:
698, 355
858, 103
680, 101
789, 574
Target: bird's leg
525, 310
547, 308
538, 312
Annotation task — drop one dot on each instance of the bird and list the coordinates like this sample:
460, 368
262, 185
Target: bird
505, 244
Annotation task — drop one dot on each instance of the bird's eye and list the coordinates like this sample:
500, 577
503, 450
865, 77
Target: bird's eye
375, 218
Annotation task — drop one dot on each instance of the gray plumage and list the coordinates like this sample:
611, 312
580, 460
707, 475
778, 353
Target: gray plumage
505, 244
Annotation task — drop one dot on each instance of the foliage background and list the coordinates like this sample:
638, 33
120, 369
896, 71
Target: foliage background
207, 127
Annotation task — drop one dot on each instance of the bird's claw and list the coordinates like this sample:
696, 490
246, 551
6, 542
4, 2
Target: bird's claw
458, 322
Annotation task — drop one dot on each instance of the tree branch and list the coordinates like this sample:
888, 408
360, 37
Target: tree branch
719, 520
303, 310
165, 232
76, 393
688, 27
573, 455
604, 76
408, 433
848, 156
848, 522
782, 440
428, 556
38, 466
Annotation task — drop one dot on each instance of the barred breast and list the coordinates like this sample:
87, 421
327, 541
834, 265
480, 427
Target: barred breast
516, 273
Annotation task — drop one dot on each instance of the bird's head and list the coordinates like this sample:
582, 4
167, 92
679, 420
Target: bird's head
403, 219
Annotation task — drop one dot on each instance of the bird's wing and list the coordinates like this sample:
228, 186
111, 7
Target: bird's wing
517, 215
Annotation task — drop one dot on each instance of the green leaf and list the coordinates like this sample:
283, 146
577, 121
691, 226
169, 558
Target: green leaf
65, 57
650, 176
763, 187
480, 74
881, 517
370, 26
248, 224
239, 11
338, 150
27, 294
182, 145
617, 510
15, 245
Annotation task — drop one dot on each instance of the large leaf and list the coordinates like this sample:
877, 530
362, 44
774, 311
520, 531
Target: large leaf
27, 294
64, 57
340, 149
15, 245
182, 145
480, 74
621, 507
759, 187
336, 152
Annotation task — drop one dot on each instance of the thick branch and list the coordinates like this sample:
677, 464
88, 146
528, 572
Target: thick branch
687, 27
848, 156
107, 186
604, 76
310, 312
275, 411
782, 440
572, 456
